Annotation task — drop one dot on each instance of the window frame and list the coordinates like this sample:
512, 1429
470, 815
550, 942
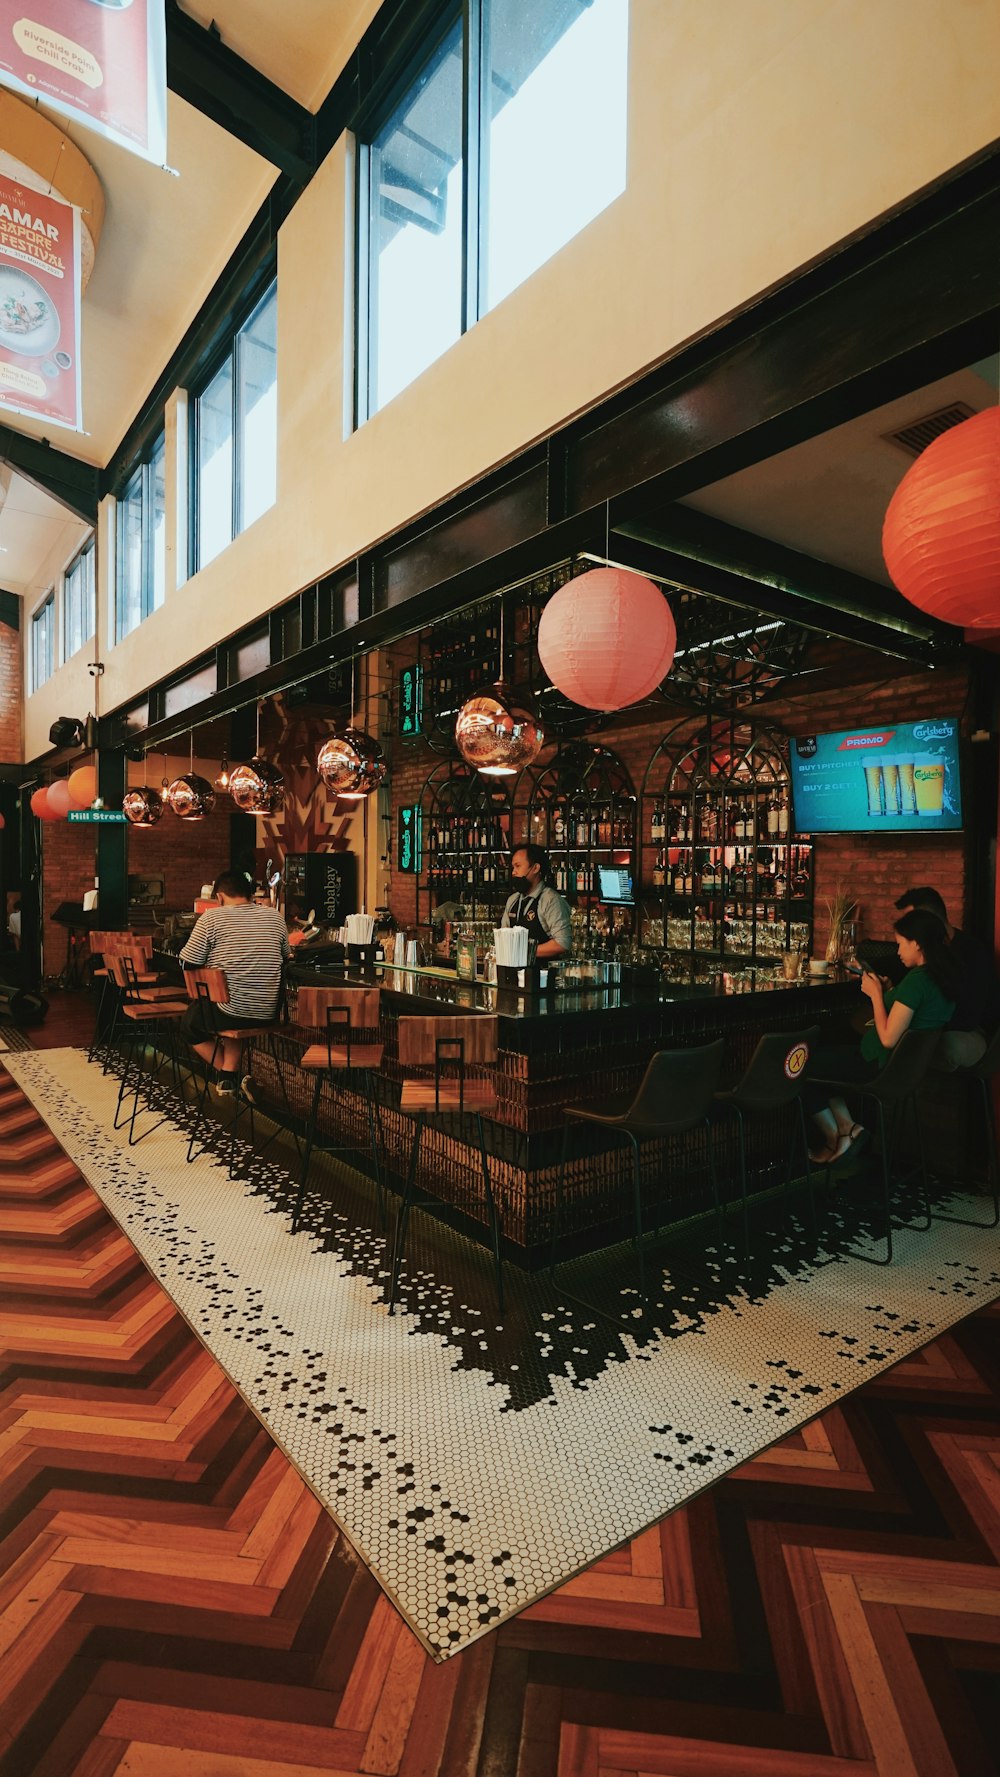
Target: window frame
230, 352
86, 550
475, 183
143, 474
46, 609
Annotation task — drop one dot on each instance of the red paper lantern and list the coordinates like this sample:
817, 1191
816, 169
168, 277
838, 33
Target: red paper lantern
941, 537
40, 802
607, 638
58, 802
82, 786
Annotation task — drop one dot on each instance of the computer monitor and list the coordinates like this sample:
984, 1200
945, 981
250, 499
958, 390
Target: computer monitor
616, 885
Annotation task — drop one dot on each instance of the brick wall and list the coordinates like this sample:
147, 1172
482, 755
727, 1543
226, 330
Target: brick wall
185, 853
845, 685
11, 693
68, 870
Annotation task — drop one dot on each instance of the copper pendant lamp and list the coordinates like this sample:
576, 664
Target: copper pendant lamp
257, 787
142, 807
191, 797
352, 763
497, 731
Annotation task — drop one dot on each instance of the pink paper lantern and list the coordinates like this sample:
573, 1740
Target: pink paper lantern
607, 638
59, 802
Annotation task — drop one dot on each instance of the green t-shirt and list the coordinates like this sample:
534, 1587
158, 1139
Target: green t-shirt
931, 1010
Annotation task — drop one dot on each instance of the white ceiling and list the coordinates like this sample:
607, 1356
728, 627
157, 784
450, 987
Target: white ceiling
37, 535
827, 497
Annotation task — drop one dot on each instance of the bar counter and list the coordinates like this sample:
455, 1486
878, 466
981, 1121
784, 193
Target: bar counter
572, 1045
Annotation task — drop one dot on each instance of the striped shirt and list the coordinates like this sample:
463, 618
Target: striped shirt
250, 943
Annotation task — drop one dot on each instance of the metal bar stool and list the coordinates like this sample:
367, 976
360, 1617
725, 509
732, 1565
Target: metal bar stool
895, 1088
674, 1095
210, 987
346, 1059
465, 1046
772, 1082
145, 1014
984, 1072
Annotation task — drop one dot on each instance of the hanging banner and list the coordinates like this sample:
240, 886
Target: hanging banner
39, 305
102, 63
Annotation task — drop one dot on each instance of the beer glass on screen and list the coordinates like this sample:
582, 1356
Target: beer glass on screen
928, 784
873, 787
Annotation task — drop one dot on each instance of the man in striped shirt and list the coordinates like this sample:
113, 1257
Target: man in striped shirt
250, 944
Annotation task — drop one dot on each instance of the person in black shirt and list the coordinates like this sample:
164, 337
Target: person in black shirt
977, 1007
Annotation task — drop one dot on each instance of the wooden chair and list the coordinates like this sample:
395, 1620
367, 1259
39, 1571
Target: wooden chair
449, 1068
104, 945
347, 1058
144, 1014
211, 985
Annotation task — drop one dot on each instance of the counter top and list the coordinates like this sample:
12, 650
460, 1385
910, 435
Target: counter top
433, 986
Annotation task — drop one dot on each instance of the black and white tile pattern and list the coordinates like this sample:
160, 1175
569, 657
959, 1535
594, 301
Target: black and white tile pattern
475, 1466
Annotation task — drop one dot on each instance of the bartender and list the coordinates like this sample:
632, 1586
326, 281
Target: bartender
537, 906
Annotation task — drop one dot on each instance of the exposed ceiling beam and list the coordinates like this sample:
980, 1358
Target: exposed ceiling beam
72, 483
219, 83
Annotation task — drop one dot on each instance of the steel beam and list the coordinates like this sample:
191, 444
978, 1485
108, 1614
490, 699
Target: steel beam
202, 70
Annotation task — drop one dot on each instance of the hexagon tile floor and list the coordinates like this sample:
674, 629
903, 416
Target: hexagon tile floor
476, 1465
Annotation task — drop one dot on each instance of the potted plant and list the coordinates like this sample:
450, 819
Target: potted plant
840, 907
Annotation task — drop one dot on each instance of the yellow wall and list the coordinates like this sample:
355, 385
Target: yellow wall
761, 132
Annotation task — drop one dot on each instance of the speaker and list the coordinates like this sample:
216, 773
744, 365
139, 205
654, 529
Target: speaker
66, 731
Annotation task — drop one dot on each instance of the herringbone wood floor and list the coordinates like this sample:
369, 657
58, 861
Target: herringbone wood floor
175, 1603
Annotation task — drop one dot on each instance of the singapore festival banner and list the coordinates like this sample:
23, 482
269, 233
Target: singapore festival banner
102, 63
39, 305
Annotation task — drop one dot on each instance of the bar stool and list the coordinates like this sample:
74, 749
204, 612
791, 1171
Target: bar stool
105, 945
210, 985
772, 1082
895, 1088
468, 1045
145, 1013
346, 1059
984, 1072
674, 1095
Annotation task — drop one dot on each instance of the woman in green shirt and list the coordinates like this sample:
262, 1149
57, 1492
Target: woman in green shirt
924, 1000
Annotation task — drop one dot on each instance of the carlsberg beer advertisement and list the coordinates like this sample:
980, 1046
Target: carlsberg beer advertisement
903, 778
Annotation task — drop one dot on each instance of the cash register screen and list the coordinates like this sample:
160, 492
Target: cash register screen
616, 885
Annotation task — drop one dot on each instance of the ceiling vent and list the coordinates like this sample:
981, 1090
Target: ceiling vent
920, 433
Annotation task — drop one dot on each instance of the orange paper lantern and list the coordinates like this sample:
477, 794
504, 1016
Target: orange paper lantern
58, 802
941, 537
40, 802
82, 786
607, 638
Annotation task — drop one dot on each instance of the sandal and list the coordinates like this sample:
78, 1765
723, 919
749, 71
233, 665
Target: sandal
847, 1142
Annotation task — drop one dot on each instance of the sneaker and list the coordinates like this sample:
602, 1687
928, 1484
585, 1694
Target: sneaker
225, 1087
247, 1089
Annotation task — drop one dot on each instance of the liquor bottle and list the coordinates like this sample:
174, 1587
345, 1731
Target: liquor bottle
689, 875
658, 874
772, 816
657, 832
783, 815
558, 825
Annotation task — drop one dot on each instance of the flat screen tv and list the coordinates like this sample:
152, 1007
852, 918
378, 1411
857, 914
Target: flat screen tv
616, 885
900, 778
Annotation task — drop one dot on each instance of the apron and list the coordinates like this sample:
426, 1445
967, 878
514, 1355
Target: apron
527, 916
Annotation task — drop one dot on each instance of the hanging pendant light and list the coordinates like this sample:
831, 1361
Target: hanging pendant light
258, 787
191, 797
352, 763
222, 781
142, 807
497, 730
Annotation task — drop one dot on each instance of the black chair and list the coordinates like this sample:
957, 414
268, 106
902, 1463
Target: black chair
675, 1095
456, 1056
984, 1072
772, 1083
894, 1089
345, 1060
147, 1015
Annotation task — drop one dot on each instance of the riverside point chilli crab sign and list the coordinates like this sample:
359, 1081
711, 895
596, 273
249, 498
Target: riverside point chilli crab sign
39, 305
102, 63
